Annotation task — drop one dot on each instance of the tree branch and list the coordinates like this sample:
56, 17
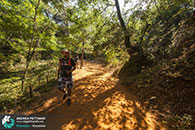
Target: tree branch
142, 37
7, 39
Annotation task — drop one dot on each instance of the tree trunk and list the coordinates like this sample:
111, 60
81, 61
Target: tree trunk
30, 91
125, 31
82, 56
31, 53
29, 56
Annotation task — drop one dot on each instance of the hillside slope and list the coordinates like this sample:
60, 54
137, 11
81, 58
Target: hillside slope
168, 85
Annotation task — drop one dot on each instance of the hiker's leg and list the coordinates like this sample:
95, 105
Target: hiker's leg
69, 89
61, 86
69, 93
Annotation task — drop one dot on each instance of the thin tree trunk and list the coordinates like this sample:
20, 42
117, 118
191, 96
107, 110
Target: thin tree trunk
30, 91
82, 56
194, 9
29, 56
125, 31
34, 28
120, 16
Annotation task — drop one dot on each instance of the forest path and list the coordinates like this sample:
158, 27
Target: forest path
98, 102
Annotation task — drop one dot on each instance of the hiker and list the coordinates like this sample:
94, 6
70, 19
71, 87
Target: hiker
65, 69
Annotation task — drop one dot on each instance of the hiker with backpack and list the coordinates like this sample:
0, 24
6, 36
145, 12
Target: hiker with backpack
65, 69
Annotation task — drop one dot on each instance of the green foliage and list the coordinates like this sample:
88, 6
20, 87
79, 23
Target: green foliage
41, 78
16, 25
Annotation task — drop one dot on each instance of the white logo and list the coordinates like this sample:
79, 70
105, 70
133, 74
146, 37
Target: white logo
5, 119
8, 122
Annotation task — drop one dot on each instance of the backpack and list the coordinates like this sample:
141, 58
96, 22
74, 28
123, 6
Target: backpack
69, 61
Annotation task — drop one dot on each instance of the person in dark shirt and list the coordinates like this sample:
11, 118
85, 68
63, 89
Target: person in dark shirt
65, 69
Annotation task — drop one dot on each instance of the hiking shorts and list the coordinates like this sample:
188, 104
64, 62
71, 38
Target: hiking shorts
64, 82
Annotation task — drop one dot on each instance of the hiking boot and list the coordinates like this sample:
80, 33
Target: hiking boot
69, 101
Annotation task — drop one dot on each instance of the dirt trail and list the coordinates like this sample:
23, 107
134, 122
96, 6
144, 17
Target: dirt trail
98, 102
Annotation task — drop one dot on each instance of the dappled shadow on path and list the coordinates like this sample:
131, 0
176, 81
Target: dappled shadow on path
98, 102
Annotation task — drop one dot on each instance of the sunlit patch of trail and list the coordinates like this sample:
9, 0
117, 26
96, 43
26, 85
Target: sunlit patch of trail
98, 102
120, 113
